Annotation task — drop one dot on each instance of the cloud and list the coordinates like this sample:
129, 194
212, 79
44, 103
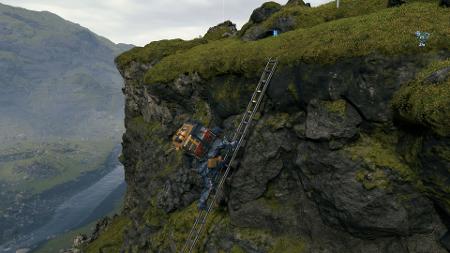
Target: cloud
139, 22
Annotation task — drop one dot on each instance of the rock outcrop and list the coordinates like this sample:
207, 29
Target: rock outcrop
255, 29
295, 2
345, 155
220, 31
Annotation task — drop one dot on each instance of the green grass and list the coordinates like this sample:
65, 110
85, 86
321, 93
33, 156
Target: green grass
274, 243
426, 104
155, 51
337, 106
177, 225
388, 31
70, 158
65, 240
288, 244
111, 240
306, 17
378, 151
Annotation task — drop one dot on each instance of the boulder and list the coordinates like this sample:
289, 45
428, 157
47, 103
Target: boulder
295, 2
438, 76
383, 207
79, 240
260, 164
259, 31
331, 119
220, 31
265, 11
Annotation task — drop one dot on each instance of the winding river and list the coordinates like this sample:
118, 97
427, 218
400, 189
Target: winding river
79, 209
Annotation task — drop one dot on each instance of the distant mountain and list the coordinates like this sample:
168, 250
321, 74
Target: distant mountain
56, 78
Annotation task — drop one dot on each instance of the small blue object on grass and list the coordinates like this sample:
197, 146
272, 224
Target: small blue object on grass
275, 33
422, 37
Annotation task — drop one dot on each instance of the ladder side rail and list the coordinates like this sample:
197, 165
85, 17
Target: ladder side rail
222, 180
250, 103
254, 109
191, 233
242, 137
253, 96
241, 124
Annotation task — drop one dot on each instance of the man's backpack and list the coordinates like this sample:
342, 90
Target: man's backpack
194, 139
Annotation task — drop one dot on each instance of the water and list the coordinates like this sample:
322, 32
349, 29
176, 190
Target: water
73, 212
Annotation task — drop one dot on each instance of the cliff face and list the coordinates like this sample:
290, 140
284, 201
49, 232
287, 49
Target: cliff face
349, 153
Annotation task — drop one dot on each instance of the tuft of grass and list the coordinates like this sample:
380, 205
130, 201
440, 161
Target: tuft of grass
237, 249
426, 104
175, 230
379, 151
337, 106
264, 239
271, 5
218, 32
155, 51
288, 244
388, 31
151, 131
202, 112
111, 239
65, 240
373, 179
278, 121
293, 91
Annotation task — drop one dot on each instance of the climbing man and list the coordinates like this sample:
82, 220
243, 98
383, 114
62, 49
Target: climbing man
212, 164
206, 146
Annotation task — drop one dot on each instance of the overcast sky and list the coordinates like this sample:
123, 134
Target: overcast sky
140, 21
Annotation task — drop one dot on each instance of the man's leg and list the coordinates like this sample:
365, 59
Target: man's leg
205, 193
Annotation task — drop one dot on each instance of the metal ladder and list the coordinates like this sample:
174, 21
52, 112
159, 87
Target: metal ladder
239, 135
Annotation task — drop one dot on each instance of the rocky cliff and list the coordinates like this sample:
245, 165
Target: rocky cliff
350, 151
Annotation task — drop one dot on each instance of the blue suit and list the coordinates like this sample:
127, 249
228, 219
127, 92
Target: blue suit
208, 174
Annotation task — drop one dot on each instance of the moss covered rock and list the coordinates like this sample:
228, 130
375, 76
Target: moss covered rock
220, 31
262, 13
425, 101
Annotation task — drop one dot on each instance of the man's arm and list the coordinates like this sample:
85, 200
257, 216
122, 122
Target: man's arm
227, 144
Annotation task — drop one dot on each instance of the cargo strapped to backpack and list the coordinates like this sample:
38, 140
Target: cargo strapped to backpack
214, 162
194, 139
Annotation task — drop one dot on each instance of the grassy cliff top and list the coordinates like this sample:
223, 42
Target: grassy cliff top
357, 31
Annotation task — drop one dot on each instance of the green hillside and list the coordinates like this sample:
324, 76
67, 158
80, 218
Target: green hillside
388, 31
57, 78
61, 108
